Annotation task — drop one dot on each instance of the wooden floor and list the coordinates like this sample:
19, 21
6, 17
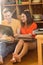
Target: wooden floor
29, 59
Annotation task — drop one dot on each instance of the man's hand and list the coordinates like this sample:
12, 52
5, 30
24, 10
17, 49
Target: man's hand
8, 38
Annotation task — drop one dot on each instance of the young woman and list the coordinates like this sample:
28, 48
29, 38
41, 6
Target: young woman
26, 30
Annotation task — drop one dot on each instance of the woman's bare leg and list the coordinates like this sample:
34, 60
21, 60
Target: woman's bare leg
19, 46
26, 47
24, 50
17, 50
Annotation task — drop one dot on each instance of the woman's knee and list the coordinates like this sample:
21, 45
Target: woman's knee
21, 42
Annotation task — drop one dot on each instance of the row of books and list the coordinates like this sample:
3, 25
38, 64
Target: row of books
20, 1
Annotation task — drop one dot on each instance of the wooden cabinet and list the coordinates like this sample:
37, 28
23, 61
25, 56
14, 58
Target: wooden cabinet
34, 6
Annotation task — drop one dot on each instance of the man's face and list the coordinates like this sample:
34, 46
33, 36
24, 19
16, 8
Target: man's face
7, 15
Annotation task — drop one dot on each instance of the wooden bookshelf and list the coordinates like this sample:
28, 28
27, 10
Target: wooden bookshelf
33, 7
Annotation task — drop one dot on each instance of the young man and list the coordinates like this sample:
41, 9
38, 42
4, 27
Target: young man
14, 24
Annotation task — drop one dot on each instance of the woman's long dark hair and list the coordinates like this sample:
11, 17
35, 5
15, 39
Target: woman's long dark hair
29, 18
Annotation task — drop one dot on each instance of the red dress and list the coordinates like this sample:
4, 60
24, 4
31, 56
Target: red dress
27, 30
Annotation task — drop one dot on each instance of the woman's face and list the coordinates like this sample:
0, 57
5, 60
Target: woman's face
23, 17
7, 15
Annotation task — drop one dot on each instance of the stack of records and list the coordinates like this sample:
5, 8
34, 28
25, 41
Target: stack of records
39, 31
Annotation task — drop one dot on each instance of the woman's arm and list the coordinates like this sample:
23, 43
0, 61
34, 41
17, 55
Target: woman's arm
23, 35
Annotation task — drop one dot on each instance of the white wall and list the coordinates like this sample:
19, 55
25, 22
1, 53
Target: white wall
0, 14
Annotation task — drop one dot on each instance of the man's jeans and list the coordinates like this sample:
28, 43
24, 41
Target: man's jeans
5, 50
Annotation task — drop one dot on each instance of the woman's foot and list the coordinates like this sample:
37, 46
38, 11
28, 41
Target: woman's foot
1, 60
15, 58
18, 59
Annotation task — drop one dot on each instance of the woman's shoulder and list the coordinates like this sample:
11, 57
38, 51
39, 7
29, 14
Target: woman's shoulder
34, 24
